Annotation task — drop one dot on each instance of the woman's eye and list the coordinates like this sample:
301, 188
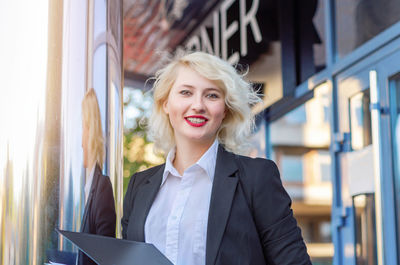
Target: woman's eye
212, 95
185, 92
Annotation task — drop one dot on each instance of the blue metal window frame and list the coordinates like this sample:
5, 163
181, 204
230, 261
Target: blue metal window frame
392, 87
376, 48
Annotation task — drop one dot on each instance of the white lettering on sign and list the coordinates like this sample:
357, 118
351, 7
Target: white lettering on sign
223, 32
194, 43
245, 19
227, 32
216, 33
205, 41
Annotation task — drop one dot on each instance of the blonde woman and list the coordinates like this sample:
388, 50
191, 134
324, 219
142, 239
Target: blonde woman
99, 216
208, 205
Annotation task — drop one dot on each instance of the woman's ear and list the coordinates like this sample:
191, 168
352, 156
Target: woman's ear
165, 106
225, 112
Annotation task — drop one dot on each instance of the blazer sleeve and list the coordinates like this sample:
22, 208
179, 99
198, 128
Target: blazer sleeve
105, 217
279, 234
128, 203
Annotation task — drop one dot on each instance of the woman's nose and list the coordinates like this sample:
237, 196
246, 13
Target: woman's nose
198, 104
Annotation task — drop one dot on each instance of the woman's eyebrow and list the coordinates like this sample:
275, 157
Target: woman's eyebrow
213, 89
186, 85
206, 89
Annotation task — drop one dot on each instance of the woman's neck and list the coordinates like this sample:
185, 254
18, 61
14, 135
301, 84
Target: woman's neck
188, 153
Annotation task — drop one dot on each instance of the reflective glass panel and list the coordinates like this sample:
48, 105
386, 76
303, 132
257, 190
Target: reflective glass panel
358, 21
364, 208
360, 120
299, 143
319, 46
395, 116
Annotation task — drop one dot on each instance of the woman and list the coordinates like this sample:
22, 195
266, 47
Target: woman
99, 216
207, 204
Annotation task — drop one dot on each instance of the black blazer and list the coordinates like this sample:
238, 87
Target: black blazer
99, 217
250, 221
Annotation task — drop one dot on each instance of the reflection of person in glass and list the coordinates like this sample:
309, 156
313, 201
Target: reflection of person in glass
99, 216
207, 204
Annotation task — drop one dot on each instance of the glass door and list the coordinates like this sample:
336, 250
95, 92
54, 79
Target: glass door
368, 118
357, 231
388, 109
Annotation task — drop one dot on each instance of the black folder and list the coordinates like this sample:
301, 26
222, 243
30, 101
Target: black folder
112, 251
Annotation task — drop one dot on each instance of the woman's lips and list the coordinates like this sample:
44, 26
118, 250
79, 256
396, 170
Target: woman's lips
196, 121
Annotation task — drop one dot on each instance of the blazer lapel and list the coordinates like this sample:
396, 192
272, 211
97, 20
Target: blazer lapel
223, 190
88, 205
143, 200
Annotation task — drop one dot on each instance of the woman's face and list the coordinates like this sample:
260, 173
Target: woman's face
196, 107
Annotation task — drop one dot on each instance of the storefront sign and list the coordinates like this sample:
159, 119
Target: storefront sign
232, 18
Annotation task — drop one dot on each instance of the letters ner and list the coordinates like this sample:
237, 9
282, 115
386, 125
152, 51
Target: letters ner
203, 42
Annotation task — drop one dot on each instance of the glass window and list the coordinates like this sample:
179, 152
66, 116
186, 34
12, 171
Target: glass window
395, 122
319, 47
292, 168
309, 37
297, 116
364, 208
299, 143
358, 21
100, 81
360, 120
325, 165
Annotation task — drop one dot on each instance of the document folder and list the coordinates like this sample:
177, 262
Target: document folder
112, 251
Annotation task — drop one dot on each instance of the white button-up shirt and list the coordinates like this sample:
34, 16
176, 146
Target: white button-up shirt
177, 220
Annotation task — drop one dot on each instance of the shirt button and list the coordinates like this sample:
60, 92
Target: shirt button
174, 217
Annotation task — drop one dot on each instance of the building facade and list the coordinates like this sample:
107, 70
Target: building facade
329, 71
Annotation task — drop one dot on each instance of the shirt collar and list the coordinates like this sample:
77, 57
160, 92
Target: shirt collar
169, 167
207, 162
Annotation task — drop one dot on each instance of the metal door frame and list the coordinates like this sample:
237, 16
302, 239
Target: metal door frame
376, 70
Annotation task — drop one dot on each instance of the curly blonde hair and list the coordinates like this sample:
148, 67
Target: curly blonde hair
239, 95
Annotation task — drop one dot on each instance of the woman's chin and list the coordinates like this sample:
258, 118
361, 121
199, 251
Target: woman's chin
201, 140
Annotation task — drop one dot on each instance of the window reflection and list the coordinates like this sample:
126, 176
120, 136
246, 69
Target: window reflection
358, 21
364, 208
299, 144
319, 48
360, 120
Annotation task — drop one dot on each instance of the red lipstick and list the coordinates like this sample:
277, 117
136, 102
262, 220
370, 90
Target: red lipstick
197, 123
